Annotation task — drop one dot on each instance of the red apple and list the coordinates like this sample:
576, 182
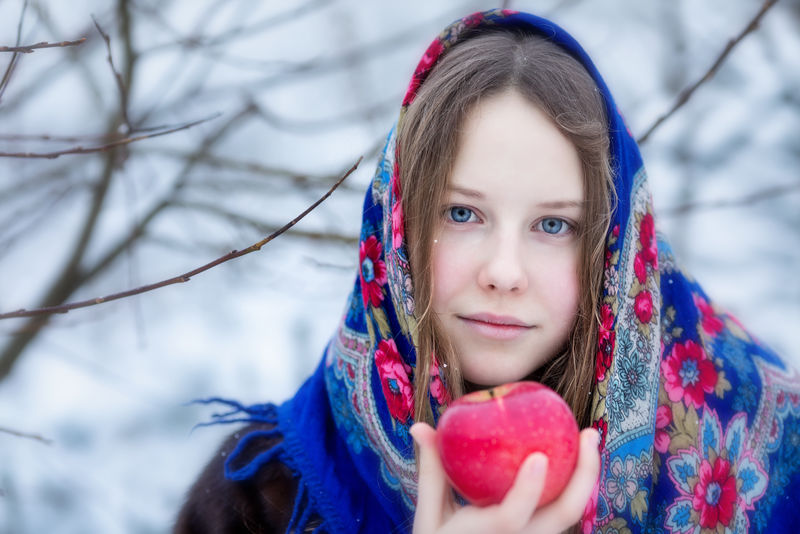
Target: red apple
484, 436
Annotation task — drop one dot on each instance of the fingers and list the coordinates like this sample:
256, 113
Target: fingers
568, 508
432, 489
520, 502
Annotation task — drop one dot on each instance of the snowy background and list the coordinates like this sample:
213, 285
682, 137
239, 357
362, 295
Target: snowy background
320, 84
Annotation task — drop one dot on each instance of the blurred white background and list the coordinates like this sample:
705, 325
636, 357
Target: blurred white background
303, 89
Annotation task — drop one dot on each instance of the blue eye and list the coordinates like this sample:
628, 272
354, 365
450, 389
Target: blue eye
554, 226
460, 214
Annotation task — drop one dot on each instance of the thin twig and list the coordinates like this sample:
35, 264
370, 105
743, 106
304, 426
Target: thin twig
687, 93
30, 89
300, 179
344, 120
185, 277
19, 434
123, 93
262, 227
230, 34
747, 200
102, 148
54, 138
29, 49
13, 63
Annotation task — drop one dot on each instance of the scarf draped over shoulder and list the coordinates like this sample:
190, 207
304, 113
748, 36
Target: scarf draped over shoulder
699, 423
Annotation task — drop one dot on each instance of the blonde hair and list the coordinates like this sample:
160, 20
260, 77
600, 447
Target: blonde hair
428, 137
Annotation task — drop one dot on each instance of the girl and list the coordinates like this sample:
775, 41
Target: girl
508, 234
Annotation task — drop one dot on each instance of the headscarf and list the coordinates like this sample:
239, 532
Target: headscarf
699, 423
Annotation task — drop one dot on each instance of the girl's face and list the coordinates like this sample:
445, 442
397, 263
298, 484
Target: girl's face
506, 253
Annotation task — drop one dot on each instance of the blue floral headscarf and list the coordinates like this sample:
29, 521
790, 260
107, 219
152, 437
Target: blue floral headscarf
700, 424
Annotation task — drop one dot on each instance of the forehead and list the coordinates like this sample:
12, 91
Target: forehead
508, 148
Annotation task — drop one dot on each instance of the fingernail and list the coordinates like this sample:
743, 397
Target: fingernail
537, 465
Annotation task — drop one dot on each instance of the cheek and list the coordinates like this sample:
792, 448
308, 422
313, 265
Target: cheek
561, 289
450, 269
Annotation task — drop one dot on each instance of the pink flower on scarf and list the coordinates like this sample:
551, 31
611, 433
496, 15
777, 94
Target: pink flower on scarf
647, 238
663, 419
473, 20
640, 268
438, 389
605, 345
589, 513
715, 494
397, 225
601, 425
395, 383
688, 374
428, 60
398, 231
643, 306
373, 271
712, 324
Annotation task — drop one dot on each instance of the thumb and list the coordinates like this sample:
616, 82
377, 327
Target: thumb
432, 490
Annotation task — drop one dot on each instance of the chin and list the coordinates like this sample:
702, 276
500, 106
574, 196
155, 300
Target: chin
487, 372
484, 379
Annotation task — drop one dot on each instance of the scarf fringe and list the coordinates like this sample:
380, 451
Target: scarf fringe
251, 468
302, 502
303, 508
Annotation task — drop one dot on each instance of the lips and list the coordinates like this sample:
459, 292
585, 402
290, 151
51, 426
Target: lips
496, 327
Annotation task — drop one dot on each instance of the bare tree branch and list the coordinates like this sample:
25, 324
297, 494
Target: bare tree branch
332, 123
313, 67
55, 138
238, 218
298, 179
230, 34
70, 276
19, 223
254, 167
26, 435
123, 91
687, 93
185, 277
30, 89
758, 196
29, 49
13, 63
33, 184
108, 146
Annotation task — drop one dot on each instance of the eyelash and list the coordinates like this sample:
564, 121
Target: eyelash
570, 227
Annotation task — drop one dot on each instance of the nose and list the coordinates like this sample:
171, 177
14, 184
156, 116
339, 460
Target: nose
503, 267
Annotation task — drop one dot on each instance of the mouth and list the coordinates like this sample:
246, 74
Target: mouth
497, 327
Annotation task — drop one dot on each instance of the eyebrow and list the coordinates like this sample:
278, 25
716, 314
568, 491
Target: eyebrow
552, 204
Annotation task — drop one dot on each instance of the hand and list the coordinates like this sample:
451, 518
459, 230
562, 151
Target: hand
437, 512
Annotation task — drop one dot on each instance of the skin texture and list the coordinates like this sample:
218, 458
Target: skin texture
506, 250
